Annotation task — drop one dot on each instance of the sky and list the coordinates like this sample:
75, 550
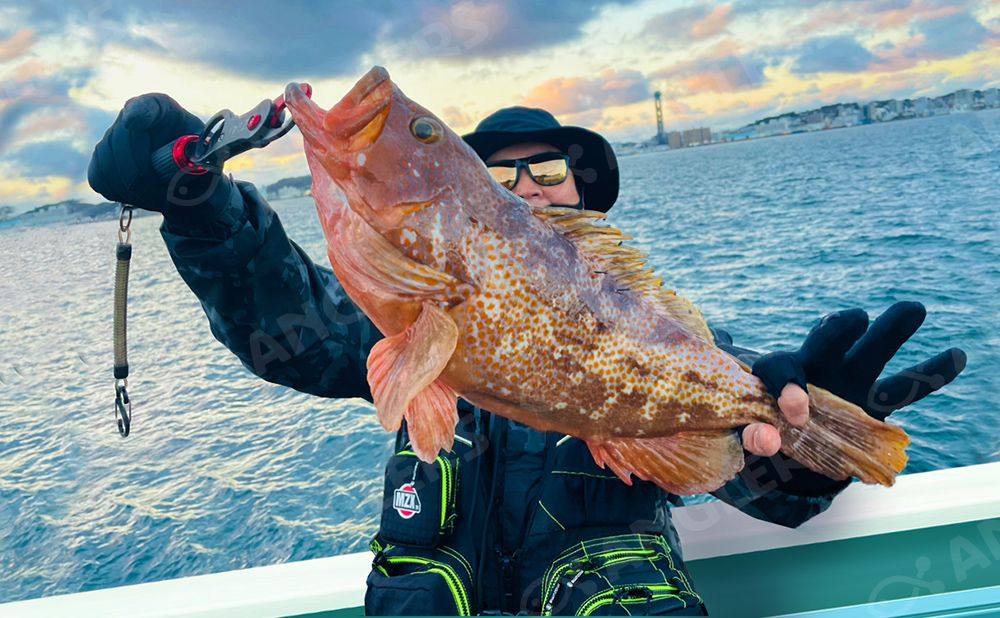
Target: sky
66, 69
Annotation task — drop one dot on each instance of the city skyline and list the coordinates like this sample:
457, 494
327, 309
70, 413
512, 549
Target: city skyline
65, 71
841, 114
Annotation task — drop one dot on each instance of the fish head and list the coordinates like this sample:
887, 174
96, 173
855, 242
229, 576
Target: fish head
388, 154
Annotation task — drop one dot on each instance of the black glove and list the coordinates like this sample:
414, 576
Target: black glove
121, 168
845, 356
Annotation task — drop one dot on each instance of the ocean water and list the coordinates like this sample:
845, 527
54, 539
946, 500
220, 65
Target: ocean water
226, 471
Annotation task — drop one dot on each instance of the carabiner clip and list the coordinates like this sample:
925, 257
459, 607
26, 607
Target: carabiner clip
123, 407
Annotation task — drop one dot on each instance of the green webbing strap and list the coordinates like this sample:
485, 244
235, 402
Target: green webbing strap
123, 255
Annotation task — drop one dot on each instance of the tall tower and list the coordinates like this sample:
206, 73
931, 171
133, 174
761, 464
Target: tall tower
661, 137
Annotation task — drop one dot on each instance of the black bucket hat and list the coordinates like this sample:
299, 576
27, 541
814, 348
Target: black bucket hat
591, 157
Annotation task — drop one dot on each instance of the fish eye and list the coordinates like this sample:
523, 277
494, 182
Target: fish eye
425, 129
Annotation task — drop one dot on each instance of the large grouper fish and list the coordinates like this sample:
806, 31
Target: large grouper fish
541, 315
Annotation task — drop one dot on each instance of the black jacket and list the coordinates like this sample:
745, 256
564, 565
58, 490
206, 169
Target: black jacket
524, 497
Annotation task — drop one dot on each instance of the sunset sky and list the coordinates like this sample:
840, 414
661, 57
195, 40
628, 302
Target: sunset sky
66, 70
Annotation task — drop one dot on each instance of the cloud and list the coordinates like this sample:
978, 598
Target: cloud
934, 38
952, 35
902, 13
17, 45
31, 192
689, 24
567, 95
318, 39
723, 69
456, 117
54, 158
40, 94
712, 24
873, 14
257, 38
488, 28
20, 99
900, 56
833, 54
95, 23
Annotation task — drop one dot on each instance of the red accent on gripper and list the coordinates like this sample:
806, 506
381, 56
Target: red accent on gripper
181, 158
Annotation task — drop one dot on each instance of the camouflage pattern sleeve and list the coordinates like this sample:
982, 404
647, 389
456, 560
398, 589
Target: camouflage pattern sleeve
288, 320
770, 488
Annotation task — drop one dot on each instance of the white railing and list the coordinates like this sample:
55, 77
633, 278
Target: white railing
922, 500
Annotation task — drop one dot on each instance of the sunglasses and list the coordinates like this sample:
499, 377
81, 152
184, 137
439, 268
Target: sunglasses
547, 169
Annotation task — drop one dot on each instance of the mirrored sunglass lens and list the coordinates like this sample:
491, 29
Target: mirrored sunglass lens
504, 175
549, 172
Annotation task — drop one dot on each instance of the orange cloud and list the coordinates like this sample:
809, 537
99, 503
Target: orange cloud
712, 24
45, 189
847, 88
456, 118
567, 95
902, 56
686, 24
286, 160
17, 45
724, 48
875, 15
825, 18
31, 69
924, 10
716, 71
595, 119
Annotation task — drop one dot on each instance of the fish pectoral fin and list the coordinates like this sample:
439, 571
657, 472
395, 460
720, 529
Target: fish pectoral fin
687, 463
383, 264
430, 420
403, 374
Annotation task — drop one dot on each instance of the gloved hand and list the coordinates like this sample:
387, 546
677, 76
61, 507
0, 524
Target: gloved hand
121, 169
845, 356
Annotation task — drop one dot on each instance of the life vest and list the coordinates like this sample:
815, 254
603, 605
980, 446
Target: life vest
511, 520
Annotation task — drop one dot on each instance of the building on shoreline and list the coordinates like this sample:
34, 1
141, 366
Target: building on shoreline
842, 115
836, 116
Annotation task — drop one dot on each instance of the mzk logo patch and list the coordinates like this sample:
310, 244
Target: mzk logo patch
406, 501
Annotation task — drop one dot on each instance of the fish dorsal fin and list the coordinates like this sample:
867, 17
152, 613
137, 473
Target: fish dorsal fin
628, 265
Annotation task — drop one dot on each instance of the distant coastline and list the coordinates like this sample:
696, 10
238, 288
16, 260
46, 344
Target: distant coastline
67, 211
835, 116
76, 211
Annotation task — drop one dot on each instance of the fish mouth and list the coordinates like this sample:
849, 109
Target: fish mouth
354, 123
308, 116
360, 116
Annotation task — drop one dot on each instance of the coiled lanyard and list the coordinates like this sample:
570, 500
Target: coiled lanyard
224, 136
123, 256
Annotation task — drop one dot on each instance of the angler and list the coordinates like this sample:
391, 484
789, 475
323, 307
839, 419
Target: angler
510, 519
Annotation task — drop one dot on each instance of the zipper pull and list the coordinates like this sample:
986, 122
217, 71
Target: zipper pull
576, 577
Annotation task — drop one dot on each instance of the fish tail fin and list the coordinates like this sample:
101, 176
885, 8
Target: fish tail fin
840, 440
685, 463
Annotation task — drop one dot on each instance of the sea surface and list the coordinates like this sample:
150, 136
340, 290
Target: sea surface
225, 471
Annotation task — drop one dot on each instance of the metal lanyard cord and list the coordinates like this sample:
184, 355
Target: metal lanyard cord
123, 255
